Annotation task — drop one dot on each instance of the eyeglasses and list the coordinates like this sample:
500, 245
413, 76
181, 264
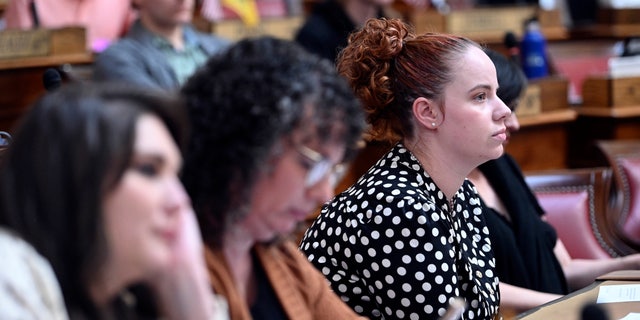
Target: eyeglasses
320, 166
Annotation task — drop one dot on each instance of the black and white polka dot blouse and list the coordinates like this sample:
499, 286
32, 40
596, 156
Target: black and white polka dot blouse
393, 249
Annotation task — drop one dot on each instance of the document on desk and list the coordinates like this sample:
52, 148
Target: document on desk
619, 293
631, 316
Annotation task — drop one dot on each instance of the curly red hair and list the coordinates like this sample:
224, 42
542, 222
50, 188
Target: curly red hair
388, 66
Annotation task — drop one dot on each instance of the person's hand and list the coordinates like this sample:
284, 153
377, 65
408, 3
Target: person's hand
631, 261
183, 287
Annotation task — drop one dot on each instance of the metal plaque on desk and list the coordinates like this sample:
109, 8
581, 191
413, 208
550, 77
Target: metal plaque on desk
530, 102
488, 24
20, 43
41, 42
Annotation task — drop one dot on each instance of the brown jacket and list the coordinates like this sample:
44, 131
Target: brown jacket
302, 290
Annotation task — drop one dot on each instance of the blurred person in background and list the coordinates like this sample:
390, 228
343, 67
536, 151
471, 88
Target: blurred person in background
531, 261
327, 27
162, 48
90, 181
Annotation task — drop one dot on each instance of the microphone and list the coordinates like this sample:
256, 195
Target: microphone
593, 311
51, 79
34, 14
511, 42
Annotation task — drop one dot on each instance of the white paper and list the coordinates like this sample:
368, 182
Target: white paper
619, 293
624, 67
631, 316
619, 4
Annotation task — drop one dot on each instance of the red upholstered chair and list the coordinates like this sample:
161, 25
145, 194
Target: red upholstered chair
576, 205
624, 158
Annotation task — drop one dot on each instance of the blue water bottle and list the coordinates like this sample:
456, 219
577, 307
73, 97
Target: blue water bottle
533, 49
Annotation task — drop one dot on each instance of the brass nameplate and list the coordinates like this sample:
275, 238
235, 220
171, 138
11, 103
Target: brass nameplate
235, 29
477, 21
530, 102
488, 24
16, 43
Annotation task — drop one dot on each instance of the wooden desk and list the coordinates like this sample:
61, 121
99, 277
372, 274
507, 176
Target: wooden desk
21, 83
570, 306
541, 143
595, 123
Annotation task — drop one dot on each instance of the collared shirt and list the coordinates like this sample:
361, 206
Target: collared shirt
139, 57
183, 62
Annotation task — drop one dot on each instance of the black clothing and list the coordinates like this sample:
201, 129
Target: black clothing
523, 248
267, 305
326, 30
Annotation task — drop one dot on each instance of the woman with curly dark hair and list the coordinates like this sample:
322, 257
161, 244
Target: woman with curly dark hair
271, 124
409, 236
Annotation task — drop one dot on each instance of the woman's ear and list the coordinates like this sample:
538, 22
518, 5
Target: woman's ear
426, 112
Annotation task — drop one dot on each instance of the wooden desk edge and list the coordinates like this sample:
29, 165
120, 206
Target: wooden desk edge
30, 62
609, 112
565, 297
549, 117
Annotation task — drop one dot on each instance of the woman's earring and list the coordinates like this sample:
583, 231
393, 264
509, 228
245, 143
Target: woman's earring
433, 124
